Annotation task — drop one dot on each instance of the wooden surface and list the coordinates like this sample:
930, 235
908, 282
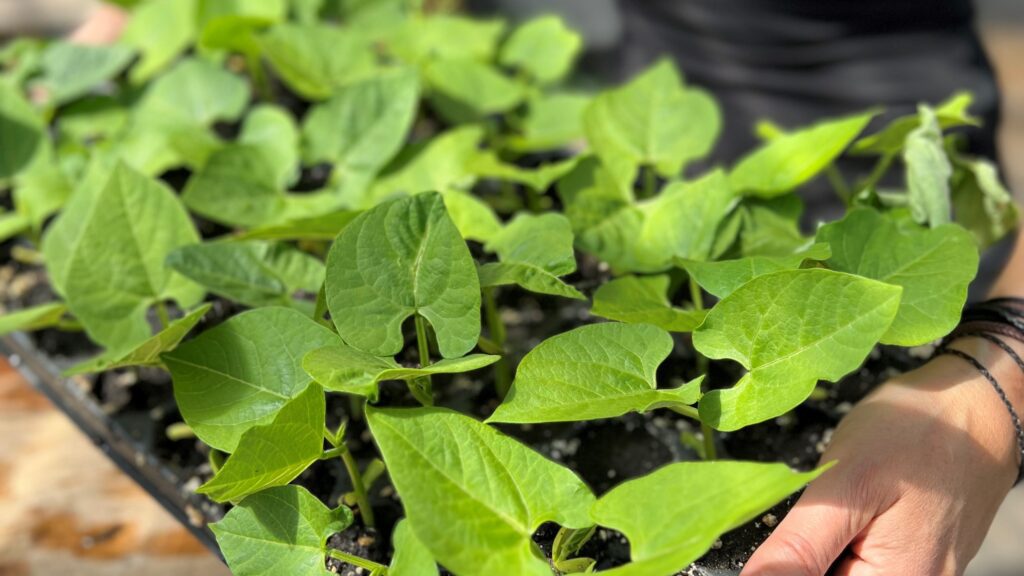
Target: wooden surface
66, 510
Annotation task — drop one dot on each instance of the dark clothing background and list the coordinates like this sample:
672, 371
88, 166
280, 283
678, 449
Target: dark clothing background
795, 62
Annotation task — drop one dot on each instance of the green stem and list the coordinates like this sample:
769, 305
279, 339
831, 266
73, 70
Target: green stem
334, 452
161, 312
258, 75
496, 329
27, 255
357, 561
835, 178
881, 167
362, 500
423, 388
650, 182
706, 432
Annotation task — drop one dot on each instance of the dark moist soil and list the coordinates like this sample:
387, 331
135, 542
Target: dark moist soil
604, 453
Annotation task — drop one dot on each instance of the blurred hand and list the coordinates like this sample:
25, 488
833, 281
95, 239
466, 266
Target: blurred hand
103, 26
923, 465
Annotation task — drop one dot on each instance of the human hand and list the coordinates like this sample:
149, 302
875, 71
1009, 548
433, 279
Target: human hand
103, 26
923, 465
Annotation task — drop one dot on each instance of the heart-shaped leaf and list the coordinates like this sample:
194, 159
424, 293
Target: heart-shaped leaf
273, 454
596, 371
934, 267
398, 259
236, 187
345, 369
315, 60
544, 48
278, 531
673, 515
466, 90
643, 300
793, 158
790, 329
240, 374
472, 495
534, 252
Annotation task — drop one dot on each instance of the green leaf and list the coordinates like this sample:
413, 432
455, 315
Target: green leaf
239, 374
889, 141
194, 91
34, 318
160, 30
273, 454
236, 187
442, 164
361, 128
981, 203
934, 267
422, 39
147, 353
552, 121
466, 90
346, 369
113, 271
928, 171
644, 237
595, 371
324, 227
534, 251
793, 158
272, 130
474, 218
790, 329
544, 48
253, 273
770, 227
673, 515
643, 300
72, 70
315, 60
21, 131
41, 190
472, 495
652, 121
401, 258
486, 164
725, 276
411, 557
281, 530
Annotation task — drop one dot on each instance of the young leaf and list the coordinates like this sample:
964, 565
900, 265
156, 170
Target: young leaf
401, 258
544, 48
793, 158
422, 39
595, 371
552, 121
316, 60
272, 129
253, 273
643, 300
770, 227
673, 515
323, 227
652, 121
411, 557
148, 353
486, 164
723, 277
114, 271
279, 531
236, 187
981, 203
472, 495
345, 369
934, 267
534, 252
273, 454
790, 329
240, 374
474, 218
196, 92
21, 131
34, 318
928, 171
442, 164
71, 70
890, 140
159, 30
466, 90
362, 127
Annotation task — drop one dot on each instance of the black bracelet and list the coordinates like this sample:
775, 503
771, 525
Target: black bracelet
1002, 395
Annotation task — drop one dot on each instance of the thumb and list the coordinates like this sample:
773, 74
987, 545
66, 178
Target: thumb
814, 533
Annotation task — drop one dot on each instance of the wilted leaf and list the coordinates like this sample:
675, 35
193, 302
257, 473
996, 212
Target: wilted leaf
890, 140
982, 204
928, 171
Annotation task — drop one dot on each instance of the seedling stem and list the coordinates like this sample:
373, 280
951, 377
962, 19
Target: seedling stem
706, 432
